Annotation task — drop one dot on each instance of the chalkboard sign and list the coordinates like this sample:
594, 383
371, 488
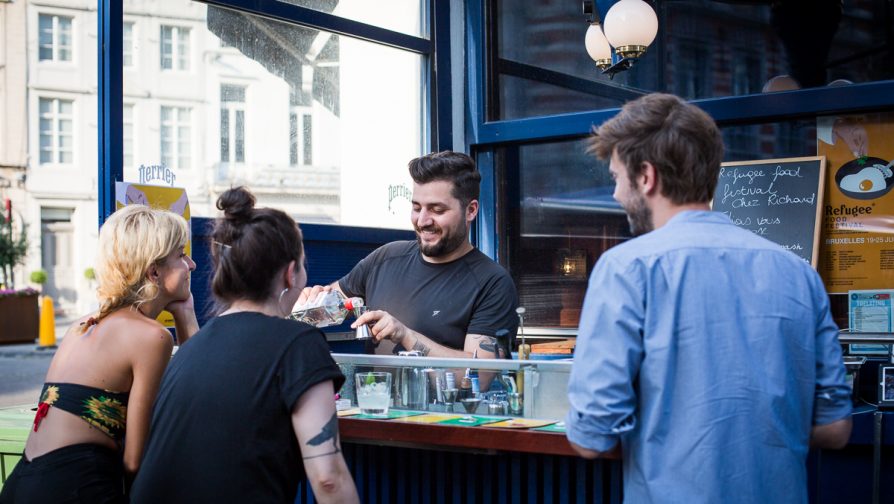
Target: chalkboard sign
779, 199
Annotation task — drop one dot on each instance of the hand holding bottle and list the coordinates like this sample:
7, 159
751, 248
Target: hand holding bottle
328, 308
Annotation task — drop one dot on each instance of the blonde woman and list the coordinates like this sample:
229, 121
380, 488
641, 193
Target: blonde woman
104, 377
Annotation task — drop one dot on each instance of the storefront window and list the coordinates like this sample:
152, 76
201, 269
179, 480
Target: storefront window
562, 215
317, 124
565, 219
703, 50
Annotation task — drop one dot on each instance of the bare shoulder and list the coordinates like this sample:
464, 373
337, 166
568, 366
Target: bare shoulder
142, 333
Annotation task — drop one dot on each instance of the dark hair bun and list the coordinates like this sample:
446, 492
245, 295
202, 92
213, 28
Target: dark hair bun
237, 204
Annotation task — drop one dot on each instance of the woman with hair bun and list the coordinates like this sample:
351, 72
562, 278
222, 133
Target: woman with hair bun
102, 381
245, 410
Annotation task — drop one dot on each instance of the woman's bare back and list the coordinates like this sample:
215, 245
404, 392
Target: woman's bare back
103, 357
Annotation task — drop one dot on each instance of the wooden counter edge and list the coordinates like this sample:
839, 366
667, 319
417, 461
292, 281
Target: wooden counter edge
448, 436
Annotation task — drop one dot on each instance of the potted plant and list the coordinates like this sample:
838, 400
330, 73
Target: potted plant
18, 308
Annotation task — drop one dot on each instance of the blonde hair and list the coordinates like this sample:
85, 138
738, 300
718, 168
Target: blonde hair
131, 240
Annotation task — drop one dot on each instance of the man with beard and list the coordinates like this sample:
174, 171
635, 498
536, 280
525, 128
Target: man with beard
705, 351
437, 295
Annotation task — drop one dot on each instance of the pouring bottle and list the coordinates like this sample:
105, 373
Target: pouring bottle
330, 308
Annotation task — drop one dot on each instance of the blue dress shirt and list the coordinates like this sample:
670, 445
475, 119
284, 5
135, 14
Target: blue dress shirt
709, 353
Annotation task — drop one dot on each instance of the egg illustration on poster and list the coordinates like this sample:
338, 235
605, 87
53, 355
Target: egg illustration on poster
865, 178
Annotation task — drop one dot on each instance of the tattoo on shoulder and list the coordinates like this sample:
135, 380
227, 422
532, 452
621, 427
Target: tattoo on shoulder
421, 348
488, 344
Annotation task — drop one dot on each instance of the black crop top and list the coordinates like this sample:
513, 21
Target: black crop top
105, 410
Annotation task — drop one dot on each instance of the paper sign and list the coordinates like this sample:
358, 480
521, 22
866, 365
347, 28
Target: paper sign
870, 311
857, 244
521, 423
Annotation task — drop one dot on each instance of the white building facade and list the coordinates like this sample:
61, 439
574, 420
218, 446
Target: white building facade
219, 99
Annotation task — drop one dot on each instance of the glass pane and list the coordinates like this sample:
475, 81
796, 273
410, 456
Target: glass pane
45, 37
293, 139
224, 135
65, 107
64, 39
562, 222
127, 42
703, 49
298, 95
565, 220
405, 16
167, 48
308, 139
183, 48
46, 106
240, 136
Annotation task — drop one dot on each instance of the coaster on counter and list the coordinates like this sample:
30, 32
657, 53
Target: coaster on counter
470, 421
348, 412
390, 415
430, 418
558, 428
520, 423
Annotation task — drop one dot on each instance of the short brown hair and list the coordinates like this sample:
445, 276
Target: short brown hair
679, 139
455, 167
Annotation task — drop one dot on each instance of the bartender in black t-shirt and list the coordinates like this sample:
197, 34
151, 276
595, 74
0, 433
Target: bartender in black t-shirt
438, 295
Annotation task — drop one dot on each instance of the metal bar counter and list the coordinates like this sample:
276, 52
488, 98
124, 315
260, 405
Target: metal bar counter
396, 461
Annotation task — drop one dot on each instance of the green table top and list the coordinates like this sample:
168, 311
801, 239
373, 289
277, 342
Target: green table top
15, 423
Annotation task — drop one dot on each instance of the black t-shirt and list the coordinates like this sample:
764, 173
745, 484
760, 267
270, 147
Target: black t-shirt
471, 295
221, 426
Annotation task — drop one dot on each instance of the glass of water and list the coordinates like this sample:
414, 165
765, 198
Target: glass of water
373, 392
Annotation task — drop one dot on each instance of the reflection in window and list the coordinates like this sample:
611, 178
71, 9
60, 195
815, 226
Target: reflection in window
127, 41
746, 73
308, 136
691, 75
174, 48
406, 16
700, 51
566, 218
56, 133
232, 123
127, 134
175, 137
54, 33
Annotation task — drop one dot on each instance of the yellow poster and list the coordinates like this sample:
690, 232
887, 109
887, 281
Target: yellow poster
167, 198
857, 235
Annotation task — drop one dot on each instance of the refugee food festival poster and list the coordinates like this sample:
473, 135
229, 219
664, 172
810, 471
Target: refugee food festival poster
857, 244
167, 198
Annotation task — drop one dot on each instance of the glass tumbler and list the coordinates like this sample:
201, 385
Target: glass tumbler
373, 392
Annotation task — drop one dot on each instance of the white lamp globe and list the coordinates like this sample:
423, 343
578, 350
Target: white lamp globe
597, 45
631, 23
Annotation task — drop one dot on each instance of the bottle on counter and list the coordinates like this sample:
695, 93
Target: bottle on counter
330, 308
465, 386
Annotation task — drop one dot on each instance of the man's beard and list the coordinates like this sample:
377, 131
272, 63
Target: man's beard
639, 215
449, 241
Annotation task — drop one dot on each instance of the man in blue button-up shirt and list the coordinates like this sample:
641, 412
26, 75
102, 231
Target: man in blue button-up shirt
707, 352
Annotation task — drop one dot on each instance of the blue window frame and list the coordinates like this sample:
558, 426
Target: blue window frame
500, 145
437, 83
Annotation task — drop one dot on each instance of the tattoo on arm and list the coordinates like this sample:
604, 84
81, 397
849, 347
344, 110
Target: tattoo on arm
488, 344
336, 452
329, 431
421, 348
